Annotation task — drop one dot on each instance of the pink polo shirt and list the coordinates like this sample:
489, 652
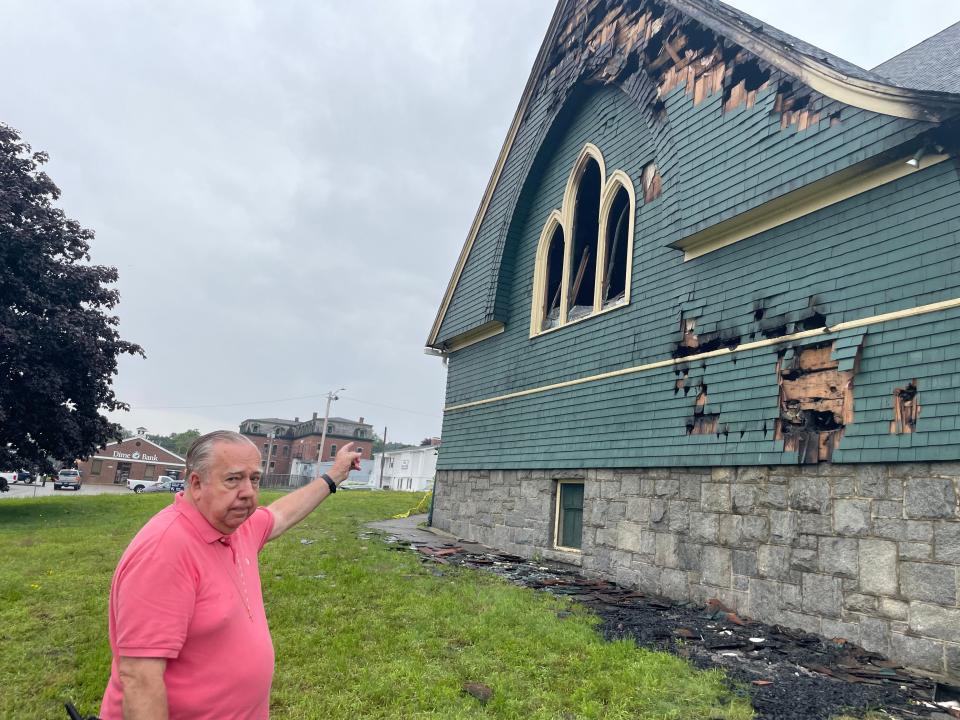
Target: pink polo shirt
186, 592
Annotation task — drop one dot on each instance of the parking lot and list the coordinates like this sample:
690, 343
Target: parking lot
19, 490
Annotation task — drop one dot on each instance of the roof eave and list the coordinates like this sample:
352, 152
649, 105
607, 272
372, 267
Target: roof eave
538, 64
883, 98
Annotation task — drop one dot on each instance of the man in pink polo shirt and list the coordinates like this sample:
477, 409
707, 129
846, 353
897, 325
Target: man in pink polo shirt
187, 625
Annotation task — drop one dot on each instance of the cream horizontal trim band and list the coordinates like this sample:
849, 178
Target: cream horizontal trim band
743, 347
828, 191
485, 331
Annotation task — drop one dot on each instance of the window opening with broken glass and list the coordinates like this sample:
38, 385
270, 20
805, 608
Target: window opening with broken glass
554, 278
615, 269
586, 214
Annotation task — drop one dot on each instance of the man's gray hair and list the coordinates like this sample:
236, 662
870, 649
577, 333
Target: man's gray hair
198, 456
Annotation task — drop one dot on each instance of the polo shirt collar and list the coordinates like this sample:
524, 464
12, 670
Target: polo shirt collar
207, 532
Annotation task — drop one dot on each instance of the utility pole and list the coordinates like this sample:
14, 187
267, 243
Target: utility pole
331, 396
383, 455
270, 438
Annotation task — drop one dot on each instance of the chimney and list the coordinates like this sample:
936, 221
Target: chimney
361, 419
296, 419
314, 416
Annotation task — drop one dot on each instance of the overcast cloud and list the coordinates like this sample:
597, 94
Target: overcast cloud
285, 186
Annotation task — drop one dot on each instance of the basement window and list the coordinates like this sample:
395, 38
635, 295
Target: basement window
585, 254
569, 519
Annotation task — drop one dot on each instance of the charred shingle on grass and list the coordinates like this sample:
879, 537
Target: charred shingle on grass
790, 674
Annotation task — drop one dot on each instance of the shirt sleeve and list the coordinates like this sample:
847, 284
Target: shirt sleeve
154, 600
261, 525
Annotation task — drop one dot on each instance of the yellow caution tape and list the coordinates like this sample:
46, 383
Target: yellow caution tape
421, 507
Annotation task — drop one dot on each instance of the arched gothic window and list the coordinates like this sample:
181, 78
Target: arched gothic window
616, 233
585, 253
581, 278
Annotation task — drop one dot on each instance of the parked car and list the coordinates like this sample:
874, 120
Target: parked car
13, 476
68, 478
139, 486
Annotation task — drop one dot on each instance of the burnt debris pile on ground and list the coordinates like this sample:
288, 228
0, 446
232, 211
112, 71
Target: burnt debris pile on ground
791, 675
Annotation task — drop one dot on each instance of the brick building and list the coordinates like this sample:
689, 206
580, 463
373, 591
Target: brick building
285, 440
134, 458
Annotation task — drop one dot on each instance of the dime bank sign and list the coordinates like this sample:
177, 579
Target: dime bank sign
136, 455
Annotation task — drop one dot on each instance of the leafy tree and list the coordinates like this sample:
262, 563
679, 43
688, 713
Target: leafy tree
379, 447
58, 341
177, 443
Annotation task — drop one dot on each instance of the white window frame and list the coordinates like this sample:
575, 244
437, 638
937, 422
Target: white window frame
556, 516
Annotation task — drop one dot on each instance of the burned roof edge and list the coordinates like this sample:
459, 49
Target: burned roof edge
867, 91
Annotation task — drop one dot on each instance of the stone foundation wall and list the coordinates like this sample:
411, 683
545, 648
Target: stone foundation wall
869, 553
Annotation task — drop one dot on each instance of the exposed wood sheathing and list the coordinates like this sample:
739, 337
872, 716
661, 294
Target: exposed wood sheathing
816, 403
906, 409
611, 41
652, 183
702, 422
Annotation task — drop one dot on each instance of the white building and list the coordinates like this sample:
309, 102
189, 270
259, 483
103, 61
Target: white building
303, 472
410, 469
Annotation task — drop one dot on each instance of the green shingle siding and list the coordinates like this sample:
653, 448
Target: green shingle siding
892, 248
703, 175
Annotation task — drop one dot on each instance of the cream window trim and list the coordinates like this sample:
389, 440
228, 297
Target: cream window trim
618, 179
568, 213
589, 152
564, 218
538, 308
584, 319
556, 516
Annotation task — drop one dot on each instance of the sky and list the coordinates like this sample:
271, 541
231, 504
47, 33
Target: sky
285, 186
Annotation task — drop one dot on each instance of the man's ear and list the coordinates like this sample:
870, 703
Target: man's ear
194, 480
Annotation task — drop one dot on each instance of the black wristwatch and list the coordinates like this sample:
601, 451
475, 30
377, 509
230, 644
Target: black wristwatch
330, 483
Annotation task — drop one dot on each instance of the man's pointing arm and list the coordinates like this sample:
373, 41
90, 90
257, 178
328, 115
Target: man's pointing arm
295, 506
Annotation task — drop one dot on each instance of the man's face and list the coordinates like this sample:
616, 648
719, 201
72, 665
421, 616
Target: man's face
227, 494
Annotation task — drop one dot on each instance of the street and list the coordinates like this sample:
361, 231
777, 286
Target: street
19, 490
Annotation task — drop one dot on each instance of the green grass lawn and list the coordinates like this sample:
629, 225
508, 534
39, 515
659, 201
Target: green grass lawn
360, 630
